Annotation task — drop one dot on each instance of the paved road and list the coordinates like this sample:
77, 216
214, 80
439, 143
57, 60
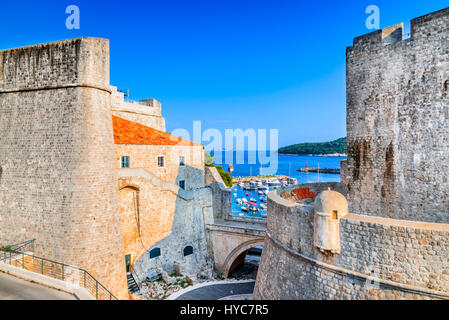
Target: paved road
12, 288
219, 291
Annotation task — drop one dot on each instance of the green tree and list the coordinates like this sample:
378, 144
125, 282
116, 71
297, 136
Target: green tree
331, 147
209, 162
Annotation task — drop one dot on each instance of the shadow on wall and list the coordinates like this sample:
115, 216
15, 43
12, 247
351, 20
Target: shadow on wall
176, 241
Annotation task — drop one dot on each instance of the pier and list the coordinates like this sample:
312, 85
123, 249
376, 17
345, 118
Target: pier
320, 170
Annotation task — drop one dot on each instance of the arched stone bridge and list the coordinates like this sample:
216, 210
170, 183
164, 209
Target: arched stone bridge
231, 240
230, 237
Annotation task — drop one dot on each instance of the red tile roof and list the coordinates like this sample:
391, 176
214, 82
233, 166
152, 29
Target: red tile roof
304, 193
127, 132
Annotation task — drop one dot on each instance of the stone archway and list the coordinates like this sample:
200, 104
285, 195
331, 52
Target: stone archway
239, 253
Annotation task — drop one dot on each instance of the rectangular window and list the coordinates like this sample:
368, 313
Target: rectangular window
161, 161
182, 184
124, 162
182, 161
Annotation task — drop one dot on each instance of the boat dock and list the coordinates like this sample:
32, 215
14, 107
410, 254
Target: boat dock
320, 170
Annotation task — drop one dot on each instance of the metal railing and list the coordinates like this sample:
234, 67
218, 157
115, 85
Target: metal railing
17, 255
136, 277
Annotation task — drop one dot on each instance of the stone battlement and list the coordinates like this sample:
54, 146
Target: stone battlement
76, 62
147, 112
421, 29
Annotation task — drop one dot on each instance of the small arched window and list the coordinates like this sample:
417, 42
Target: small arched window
188, 251
154, 253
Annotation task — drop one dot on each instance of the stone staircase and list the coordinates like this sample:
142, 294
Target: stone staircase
132, 284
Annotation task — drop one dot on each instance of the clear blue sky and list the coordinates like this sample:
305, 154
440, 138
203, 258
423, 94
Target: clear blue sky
231, 64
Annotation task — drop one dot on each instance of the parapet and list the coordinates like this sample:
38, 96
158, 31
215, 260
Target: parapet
421, 28
68, 63
437, 21
147, 112
150, 107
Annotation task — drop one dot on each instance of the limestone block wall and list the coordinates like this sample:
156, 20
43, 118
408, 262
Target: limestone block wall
398, 122
156, 213
187, 228
380, 258
145, 156
147, 112
222, 196
58, 181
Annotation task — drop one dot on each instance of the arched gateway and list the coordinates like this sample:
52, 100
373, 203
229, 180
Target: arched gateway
230, 244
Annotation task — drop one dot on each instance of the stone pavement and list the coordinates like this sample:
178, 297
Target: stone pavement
12, 288
217, 291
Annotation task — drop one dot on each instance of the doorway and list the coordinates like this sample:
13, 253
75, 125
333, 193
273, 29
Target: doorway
128, 262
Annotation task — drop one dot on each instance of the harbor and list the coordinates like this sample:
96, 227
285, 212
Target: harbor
250, 199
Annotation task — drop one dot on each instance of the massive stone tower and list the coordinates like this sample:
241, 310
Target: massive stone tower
394, 242
57, 177
398, 121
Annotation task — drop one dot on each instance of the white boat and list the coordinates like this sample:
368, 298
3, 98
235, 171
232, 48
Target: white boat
245, 209
260, 193
235, 195
253, 200
244, 200
253, 209
274, 182
264, 207
239, 201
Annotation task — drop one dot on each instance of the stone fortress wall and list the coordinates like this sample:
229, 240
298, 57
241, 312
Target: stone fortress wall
185, 225
58, 181
380, 258
394, 242
397, 121
157, 214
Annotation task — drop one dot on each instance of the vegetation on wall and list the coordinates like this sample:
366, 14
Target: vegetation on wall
209, 162
331, 147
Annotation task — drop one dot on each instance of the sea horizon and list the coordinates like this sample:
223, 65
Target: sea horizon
287, 165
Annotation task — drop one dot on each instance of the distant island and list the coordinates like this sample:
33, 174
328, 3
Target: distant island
335, 148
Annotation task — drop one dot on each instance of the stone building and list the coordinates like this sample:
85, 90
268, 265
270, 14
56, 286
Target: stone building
394, 242
93, 178
164, 204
